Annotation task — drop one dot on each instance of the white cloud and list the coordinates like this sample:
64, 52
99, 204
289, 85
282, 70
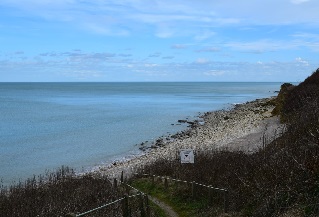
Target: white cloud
165, 31
214, 73
179, 46
168, 57
102, 29
37, 3
309, 40
156, 54
297, 2
237, 28
300, 60
202, 61
150, 65
263, 45
208, 49
166, 18
82, 74
61, 68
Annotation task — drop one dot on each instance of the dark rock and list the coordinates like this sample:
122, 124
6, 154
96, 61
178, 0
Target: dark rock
182, 121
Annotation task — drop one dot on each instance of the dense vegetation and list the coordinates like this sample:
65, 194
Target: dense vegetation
55, 194
281, 179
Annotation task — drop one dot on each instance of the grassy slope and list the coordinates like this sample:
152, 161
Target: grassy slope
283, 177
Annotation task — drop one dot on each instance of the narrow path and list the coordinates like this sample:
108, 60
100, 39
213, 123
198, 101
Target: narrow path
168, 210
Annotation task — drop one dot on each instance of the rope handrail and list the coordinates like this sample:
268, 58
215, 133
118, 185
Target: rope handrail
178, 180
105, 205
135, 189
143, 194
100, 207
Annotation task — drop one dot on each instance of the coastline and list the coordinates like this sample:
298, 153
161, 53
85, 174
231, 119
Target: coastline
244, 127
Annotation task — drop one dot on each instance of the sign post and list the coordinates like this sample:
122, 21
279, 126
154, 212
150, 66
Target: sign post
187, 156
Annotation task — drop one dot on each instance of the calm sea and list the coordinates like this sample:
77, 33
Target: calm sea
46, 125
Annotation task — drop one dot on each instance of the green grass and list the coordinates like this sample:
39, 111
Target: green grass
158, 211
178, 197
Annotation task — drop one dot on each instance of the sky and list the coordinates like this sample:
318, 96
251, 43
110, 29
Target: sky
158, 40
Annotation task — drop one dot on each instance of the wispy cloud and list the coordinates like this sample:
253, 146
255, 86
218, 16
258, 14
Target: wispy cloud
179, 46
214, 73
174, 39
168, 57
297, 2
202, 61
300, 60
64, 67
208, 49
122, 17
261, 46
157, 54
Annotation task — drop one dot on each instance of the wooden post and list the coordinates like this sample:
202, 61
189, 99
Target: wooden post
122, 177
125, 207
153, 180
142, 211
193, 189
210, 196
128, 189
226, 201
147, 205
177, 157
113, 210
115, 183
165, 183
175, 184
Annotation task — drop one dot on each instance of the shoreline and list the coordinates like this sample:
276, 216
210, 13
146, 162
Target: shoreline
244, 127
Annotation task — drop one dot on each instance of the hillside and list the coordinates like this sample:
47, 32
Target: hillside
280, 179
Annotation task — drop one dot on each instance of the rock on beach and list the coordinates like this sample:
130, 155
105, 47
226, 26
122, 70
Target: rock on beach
239, 128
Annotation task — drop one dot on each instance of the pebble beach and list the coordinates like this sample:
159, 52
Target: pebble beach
245, 127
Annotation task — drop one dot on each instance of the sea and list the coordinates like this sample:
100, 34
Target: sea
82, 125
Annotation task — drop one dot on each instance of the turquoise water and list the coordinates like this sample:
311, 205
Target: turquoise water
46, 125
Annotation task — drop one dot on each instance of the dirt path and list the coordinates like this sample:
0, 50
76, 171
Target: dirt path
168, 210
270, 129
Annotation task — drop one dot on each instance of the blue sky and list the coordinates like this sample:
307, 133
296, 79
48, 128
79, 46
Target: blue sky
158, 40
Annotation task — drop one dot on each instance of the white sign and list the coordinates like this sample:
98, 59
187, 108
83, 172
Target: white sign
187, 156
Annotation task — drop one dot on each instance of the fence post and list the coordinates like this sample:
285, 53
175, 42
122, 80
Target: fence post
127, 189
226, 201
122, 177
165, 183
193, 189
210, 197
142, 211
113, 210
125, 208
153, 180
115, 183
148, 211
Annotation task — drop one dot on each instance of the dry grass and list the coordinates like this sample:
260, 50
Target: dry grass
281, 176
